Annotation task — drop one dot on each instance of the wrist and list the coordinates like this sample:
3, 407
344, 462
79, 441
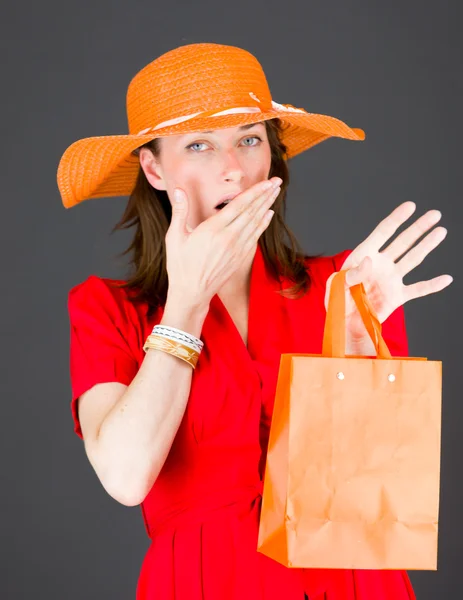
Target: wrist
184, 314
360, 346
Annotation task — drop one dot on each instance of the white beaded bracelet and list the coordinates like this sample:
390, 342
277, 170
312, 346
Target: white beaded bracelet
178, 335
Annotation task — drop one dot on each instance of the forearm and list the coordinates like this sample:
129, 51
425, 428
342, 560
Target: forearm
137, 434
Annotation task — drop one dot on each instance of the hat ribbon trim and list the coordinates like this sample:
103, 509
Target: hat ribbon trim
203, 114
227, 111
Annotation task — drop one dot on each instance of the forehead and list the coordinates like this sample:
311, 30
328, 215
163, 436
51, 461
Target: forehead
237, 129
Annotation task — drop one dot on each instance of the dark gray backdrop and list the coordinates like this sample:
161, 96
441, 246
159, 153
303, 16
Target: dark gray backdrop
392, 68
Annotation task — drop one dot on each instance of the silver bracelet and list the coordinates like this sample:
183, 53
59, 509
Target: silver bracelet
178, 335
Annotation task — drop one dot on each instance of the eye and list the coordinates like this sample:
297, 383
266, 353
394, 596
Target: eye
254, 137
191, 146
194, 145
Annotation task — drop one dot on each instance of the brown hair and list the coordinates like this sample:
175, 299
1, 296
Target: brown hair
150, 212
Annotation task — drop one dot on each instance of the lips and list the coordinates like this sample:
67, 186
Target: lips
224, 198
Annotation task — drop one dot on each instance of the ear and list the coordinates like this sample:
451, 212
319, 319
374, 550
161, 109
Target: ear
152, 169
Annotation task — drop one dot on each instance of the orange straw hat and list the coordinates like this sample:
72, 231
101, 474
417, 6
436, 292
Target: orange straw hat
192, 88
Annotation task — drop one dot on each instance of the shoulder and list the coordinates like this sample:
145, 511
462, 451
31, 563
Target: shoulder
98, 287
104, 302
100, 296
97, 290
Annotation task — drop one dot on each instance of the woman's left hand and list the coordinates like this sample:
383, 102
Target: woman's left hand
382, 272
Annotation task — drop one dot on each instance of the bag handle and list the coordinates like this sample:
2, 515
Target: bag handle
334, 337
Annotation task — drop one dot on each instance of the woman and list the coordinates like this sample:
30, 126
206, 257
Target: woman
205, 165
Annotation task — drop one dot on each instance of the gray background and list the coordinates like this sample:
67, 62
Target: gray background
392, 68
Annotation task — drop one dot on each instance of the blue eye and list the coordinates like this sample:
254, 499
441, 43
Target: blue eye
254, 137
195, 144
197, 150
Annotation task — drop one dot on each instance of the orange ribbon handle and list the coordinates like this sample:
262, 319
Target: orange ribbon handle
334, 338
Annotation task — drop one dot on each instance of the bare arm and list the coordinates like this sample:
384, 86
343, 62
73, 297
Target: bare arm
128, 442
128, 432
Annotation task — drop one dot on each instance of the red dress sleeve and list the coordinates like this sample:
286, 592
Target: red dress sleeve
99, 351
393, 328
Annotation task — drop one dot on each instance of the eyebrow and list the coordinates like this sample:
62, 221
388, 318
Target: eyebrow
242, 128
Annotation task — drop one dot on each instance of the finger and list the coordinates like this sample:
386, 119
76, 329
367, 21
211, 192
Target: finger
251, 213
407, 238
245, 201
424, 288
247, 243
252, 220
179, 212
387, 227
416, 255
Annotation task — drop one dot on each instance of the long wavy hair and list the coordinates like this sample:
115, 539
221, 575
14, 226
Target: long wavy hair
150, 212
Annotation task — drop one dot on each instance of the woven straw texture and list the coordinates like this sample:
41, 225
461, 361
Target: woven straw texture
192, 79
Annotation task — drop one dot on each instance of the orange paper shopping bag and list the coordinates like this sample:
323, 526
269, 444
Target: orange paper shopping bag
352, 473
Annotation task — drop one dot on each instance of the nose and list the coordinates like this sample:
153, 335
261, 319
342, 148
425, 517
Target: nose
232, 169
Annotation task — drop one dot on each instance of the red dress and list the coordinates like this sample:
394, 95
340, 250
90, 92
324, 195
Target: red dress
202, 513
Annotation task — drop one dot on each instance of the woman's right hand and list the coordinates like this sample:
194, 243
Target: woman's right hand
201, 261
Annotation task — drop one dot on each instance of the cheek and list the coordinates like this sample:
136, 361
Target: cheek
180, 174
193, 179
258, 167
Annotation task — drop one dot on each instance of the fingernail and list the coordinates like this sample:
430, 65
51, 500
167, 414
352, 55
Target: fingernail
277, 182
178, 196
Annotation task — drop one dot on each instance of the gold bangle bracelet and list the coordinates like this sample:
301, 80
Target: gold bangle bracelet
172, 347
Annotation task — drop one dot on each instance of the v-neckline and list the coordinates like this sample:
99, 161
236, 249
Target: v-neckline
256, 268
234, 318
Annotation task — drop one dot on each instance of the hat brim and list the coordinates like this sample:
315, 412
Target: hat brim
105, 166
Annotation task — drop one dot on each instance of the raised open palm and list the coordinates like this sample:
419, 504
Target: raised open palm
382, 272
